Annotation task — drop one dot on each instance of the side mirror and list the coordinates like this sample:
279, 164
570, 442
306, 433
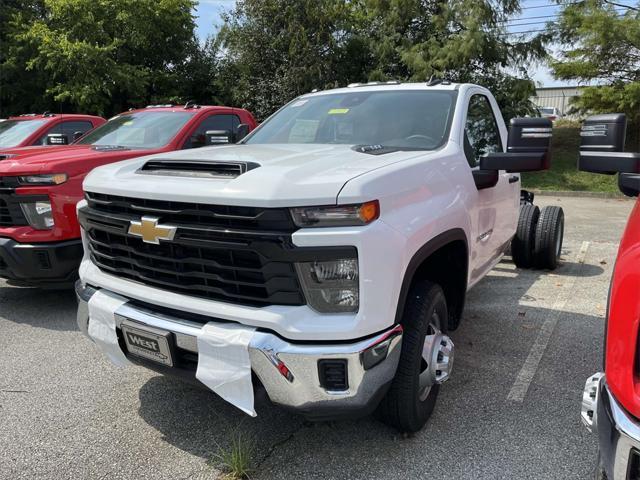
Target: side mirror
602, 151
629, 184
218, 137
57, 139
602, 146
77, 135
528, 147
243, 131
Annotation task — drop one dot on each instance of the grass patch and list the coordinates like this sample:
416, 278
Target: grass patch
236, 460
564, 174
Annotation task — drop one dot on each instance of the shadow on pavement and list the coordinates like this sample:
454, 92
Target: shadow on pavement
48, 309
199, 422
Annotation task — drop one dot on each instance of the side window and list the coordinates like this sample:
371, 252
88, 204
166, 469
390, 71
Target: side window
79, 127
213, 122
481, 134
66, 128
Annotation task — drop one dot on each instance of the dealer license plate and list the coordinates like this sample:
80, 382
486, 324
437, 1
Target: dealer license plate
147, 342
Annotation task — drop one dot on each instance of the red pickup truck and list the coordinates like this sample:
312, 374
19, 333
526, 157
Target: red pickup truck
45, 129
39, 187
611, 399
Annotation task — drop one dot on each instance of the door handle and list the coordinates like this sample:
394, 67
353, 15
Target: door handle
514, 178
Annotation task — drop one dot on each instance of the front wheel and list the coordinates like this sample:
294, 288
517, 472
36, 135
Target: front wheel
426, 359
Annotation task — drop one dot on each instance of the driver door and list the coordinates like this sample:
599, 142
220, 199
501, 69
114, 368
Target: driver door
495, 209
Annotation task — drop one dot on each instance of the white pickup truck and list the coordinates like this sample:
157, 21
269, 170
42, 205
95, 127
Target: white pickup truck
324, 257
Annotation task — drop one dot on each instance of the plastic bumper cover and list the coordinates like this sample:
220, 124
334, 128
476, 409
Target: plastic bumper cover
40, 264
618, 432
289, 371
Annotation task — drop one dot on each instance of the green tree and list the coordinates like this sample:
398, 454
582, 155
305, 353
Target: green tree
105, 55
460, 40
18, 90
275, 50
601, 46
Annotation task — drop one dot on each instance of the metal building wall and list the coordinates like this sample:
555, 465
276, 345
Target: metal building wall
559, 98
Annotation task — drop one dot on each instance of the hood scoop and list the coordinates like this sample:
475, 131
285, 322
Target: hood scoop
196, 168
6, 156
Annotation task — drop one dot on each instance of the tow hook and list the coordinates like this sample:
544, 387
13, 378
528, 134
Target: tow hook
438, 353
590, 402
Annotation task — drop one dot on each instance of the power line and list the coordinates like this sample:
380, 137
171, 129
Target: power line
556, 5
555, 15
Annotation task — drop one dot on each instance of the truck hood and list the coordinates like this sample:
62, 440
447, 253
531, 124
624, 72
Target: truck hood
15, 151
284, 175
72, 160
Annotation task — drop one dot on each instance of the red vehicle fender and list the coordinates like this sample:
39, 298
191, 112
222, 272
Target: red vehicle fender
621, 349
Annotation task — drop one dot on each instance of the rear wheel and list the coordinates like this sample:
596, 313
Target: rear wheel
549, 236
523, 242
413, 392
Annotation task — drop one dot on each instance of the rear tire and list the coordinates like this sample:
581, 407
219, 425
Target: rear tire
523, 242
407, 406
549, 236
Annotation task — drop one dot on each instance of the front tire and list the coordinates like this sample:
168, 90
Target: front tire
410, 400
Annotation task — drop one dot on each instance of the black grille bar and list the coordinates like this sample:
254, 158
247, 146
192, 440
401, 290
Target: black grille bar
10, 212
237, 254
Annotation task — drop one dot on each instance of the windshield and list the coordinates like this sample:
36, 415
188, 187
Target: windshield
409, 119
138, 130
14, 132
547, 110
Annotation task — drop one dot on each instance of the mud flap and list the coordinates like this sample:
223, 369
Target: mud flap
224, 364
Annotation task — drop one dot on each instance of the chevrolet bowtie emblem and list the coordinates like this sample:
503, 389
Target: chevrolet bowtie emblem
149, 230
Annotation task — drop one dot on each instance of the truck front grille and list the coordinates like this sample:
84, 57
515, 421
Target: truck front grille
237, 254
5, 214
10, 212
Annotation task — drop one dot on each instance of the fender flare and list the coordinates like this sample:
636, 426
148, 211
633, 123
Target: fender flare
424, 252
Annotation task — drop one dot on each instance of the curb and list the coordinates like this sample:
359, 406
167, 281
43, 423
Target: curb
579, 194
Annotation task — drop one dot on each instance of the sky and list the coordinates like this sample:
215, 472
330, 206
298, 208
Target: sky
534, 15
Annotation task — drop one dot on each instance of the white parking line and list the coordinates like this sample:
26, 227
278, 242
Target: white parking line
528, 370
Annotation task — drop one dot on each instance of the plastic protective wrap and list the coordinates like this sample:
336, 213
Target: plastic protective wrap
224, 364
102, 325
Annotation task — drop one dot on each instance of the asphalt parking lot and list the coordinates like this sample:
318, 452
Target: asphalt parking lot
528, 341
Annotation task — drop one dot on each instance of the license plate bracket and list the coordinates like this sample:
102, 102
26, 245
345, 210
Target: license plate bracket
148, 342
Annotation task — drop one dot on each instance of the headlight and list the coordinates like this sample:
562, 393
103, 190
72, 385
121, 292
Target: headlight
48, 179
336, 216
39, 214
331, 286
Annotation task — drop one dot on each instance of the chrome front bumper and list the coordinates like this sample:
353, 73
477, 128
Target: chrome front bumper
289, 372
618, 432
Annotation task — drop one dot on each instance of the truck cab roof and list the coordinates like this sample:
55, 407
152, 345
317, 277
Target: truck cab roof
393, 85
33, 129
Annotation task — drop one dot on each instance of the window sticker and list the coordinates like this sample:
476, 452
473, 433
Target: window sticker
304, 131
128, 123
338, 111
299, 103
